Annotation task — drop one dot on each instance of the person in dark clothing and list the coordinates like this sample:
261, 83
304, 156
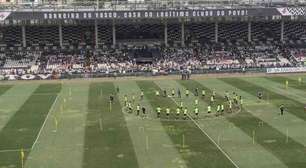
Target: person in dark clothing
179, 93
259, 95
196, 92
282, 109
143, 110
111, 98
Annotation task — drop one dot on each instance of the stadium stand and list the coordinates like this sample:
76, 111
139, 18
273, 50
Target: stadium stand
265, 39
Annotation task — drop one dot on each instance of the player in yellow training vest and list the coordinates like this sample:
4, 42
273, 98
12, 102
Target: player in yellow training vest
208, 109
241, 101
196, 102
178, 111
141, 95
181, 105
158, 110
185, 113
222, 108
230, 105
167, 112
214, 92
300, 80
196, 112
137, 109
212, 100
157, 93
130, 107
203, 93
172, 92
218, 109
125, 100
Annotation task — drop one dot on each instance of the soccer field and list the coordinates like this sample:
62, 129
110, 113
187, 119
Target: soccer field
72, 124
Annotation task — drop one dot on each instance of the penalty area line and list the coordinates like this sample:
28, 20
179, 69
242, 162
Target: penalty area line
210, 138
51, 109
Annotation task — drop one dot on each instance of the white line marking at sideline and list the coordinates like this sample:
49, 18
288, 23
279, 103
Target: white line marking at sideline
51, 109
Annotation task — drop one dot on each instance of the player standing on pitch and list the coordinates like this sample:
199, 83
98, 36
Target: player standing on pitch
196, 112
178, 110
158, 110
212, 100
133, 98
208, 109
196, 91
196, 102
167, 112
282, 109
185, 113
187, 92
157, 93
125, 100
165, 93
300, 80
259, 95
143, 112
141, 95
230, 105
214, 92
111, 98
172, 92
179, 93
137, 109
203, 93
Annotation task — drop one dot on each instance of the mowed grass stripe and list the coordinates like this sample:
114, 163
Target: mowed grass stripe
107, 140
293, 154
198, 151
294, 83
233, 140
4, 88
149, 137
62, 146
288, 124
22, 129
297, 94
294, 107
295, 78
9, 105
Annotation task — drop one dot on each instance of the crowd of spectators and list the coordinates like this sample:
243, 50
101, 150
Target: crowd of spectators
167, 59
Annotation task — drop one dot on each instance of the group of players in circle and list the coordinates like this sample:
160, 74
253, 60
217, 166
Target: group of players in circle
231, 103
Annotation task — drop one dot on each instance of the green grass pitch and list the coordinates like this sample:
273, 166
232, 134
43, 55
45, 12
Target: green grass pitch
60, 124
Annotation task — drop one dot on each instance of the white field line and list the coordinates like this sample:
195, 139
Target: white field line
13, 150
51, 109
211, 139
